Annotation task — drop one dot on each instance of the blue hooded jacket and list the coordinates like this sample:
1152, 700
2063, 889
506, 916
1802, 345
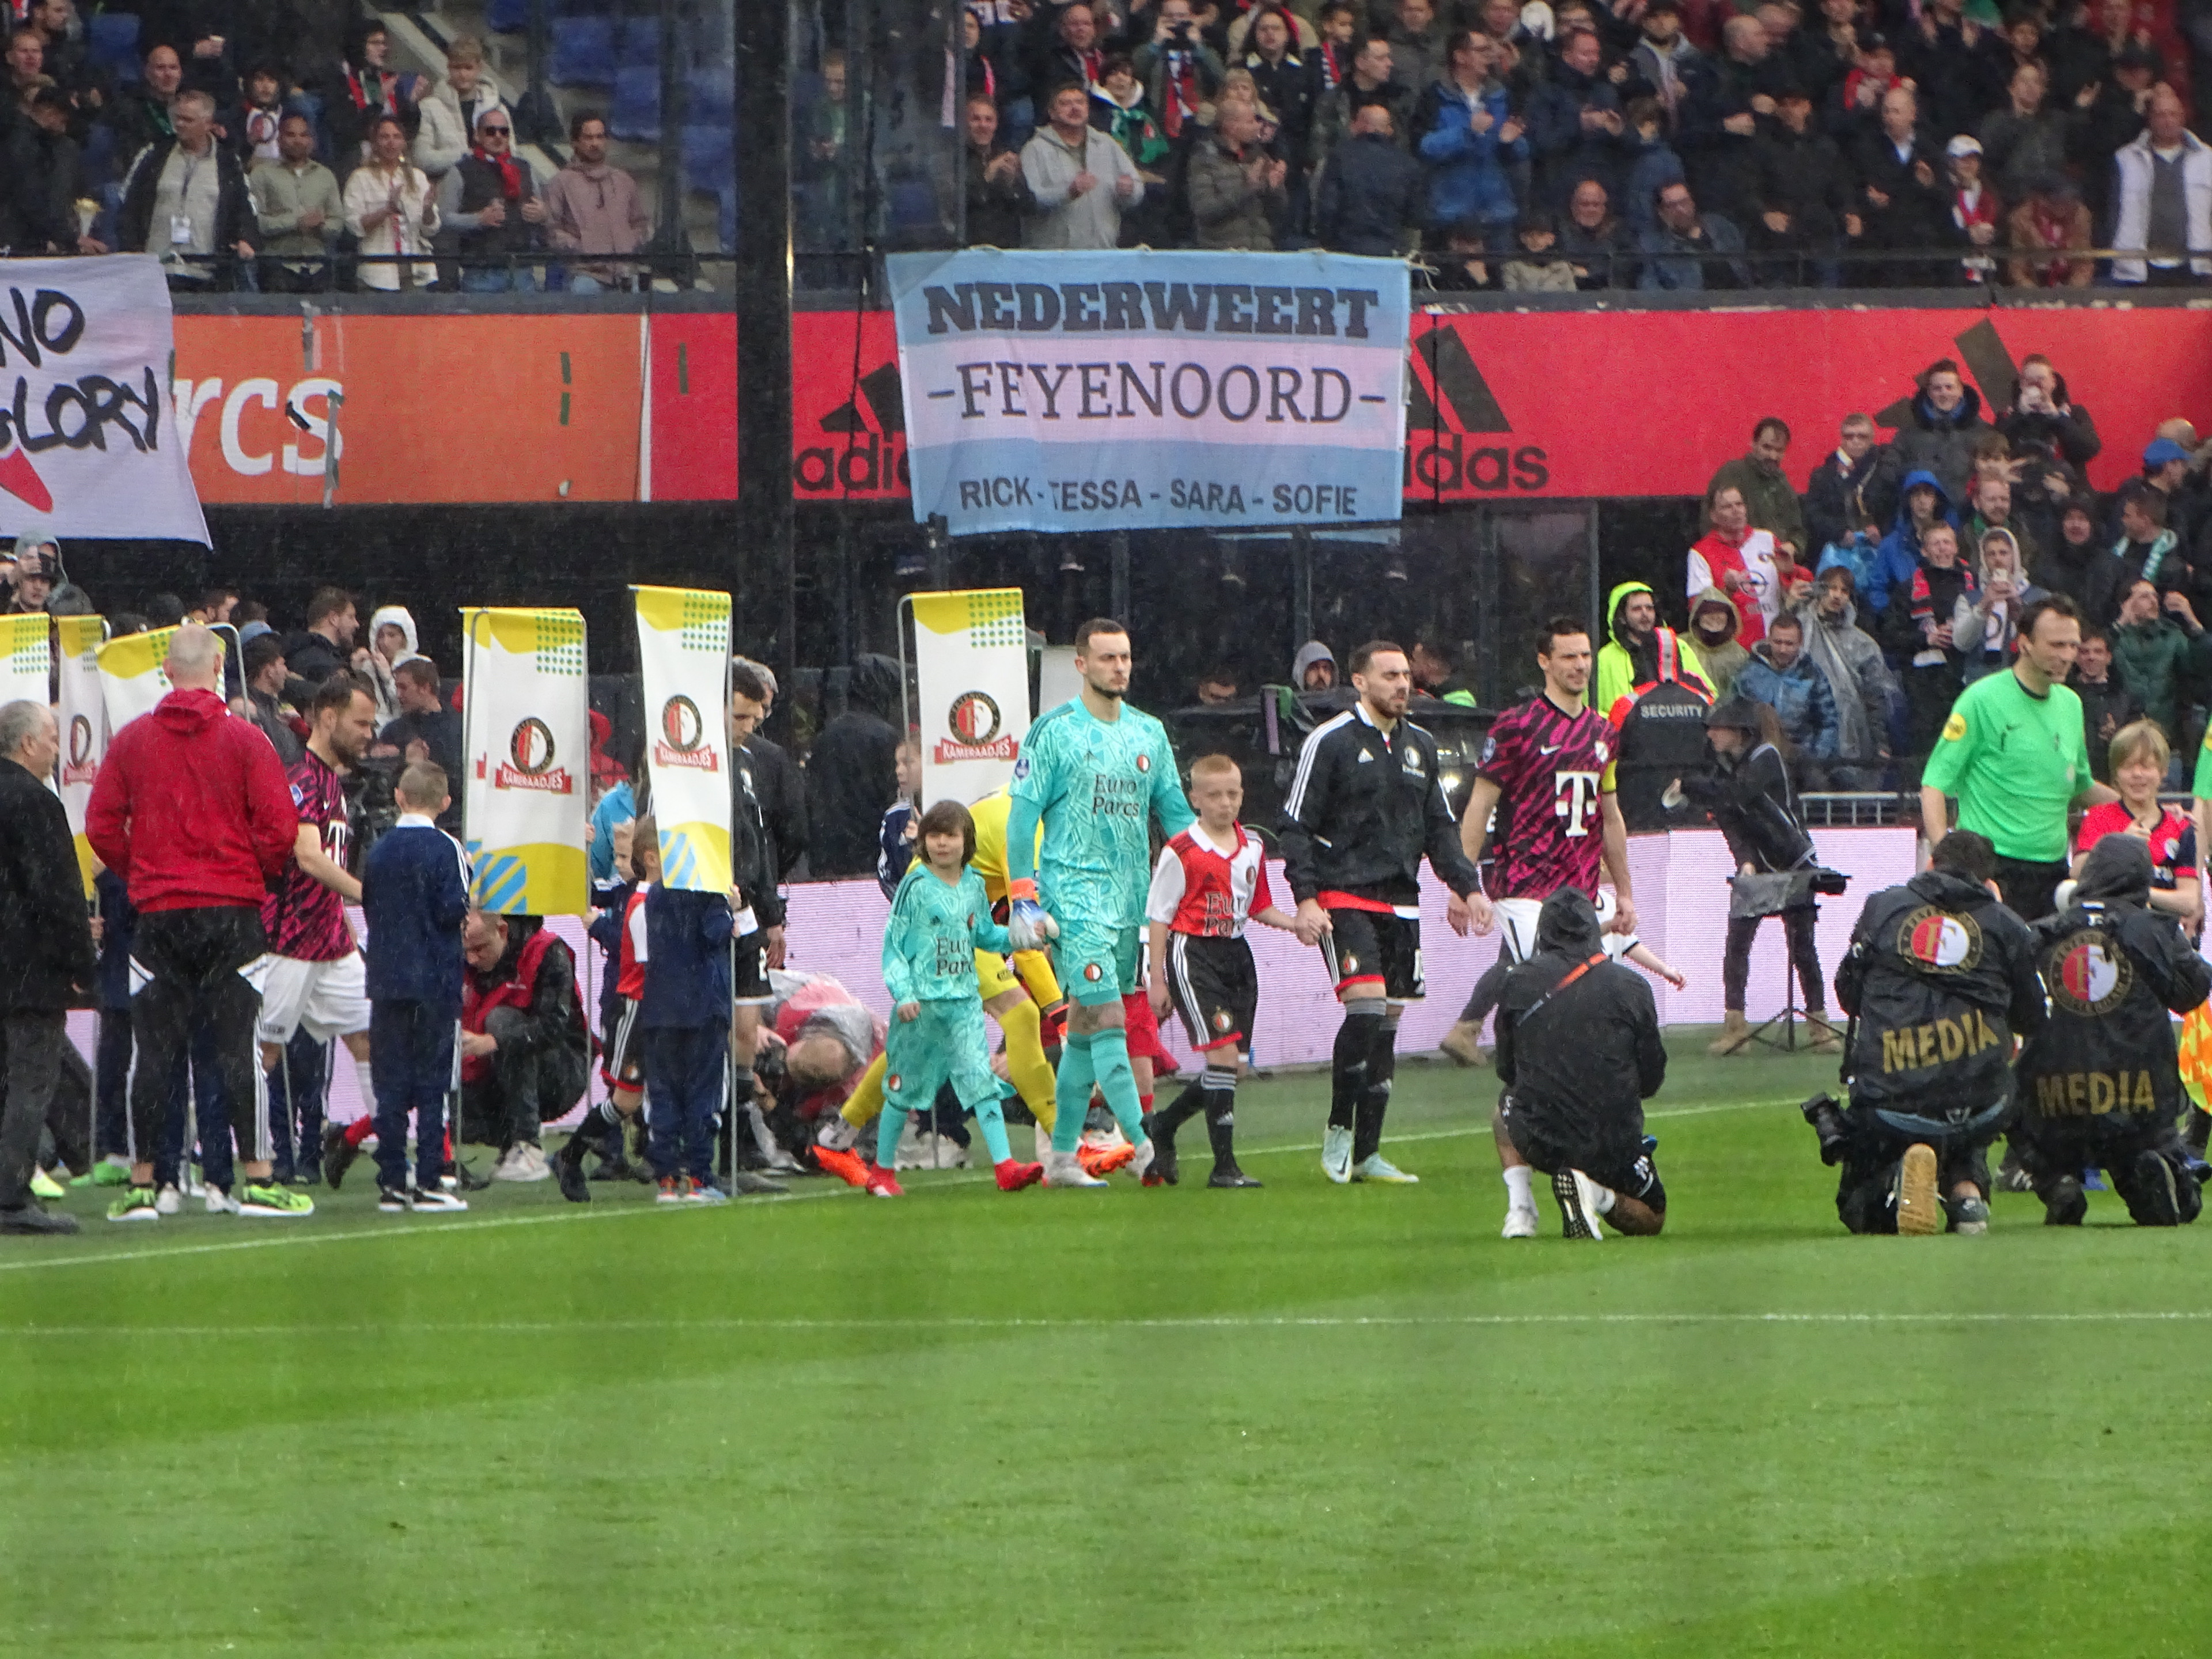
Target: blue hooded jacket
1467, 175
1899, 556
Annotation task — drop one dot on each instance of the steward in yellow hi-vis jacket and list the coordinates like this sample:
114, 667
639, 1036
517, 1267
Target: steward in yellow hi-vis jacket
2100, 1085
1940, 977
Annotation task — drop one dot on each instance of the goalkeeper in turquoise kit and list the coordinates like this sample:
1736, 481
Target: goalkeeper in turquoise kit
940, 917
1096, 771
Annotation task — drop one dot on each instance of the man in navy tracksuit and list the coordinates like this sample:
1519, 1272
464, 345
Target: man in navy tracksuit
414, 897
685, 1016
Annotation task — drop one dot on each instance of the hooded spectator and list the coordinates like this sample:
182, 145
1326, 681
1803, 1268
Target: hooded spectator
1987, 626
1859, 681
1921, 622
1314, 668
1640, 651
1993, 510
1922, 501
2080, 565
1713, 623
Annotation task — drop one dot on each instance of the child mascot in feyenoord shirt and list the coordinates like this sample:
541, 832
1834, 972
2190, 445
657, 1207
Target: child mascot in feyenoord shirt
1095, 772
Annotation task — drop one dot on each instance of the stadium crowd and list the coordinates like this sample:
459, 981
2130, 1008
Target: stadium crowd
241, 160
1660, 144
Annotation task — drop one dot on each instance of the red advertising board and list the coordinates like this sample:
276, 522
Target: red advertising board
692, 399
1609, 404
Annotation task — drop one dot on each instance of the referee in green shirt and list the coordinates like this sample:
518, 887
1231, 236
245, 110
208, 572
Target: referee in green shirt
2013, 754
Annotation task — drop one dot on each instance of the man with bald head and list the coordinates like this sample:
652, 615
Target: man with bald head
2162, 198
46, 965
191, 810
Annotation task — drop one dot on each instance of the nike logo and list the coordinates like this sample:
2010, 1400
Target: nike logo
1549, 748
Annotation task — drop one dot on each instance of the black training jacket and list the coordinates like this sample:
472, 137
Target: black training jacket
1579, 1061
2114, 970
1363, 808
1755, 810
1939, 977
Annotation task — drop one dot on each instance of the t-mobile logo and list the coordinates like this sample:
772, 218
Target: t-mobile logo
1575, 800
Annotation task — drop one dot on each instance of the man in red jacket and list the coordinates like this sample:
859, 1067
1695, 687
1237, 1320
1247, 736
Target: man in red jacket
191, 809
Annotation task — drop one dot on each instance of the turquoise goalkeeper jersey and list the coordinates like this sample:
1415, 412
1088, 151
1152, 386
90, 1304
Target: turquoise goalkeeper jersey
1096, 785
933, 933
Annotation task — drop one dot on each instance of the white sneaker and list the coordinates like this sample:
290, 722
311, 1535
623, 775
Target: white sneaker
1520, 1222
1060, 1169
437, 1201
1336, 1154
219, 1200
1044, 1145
168, 1200
1376, 1167
1143, 1160
522, 1162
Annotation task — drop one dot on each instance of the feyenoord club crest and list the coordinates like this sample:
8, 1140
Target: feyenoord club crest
2092, 978
1221, 1020
80, 766
892, 1082
974, 721
1144, 762
1091, 972
1938, 939
683, 738
529, 764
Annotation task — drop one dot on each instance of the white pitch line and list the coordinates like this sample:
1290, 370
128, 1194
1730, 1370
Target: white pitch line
283, 1234
1194, 1323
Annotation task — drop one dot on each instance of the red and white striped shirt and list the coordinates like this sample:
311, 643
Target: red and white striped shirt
1199, 888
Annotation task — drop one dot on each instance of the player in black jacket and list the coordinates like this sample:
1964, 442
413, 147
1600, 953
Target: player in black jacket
1939, 978
1578, 1052
1367, 802
2100, 1084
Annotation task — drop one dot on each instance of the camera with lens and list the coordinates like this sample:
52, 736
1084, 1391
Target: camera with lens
1830, 883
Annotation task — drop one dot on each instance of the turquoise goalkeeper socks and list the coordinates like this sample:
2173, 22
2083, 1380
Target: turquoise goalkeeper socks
1071, 1092
1117, 1081
891, 1124
993, 1122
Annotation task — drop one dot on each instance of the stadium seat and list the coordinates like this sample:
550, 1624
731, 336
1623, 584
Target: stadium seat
708, 160
508, 16
112, 40
583, 52
640, 43
635, 113
712, 96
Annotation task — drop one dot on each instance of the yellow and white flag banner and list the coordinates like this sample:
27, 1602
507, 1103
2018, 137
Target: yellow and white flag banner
684, 650
131, 674
526, 709
25, 659
972, 676
81, 715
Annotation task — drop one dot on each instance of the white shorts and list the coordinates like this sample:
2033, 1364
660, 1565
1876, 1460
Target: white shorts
324, 999
1516, 921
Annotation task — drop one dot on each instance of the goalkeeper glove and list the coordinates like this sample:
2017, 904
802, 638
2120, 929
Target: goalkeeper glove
1028, 924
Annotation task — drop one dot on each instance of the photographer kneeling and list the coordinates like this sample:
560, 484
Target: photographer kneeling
1578, 1052
1747, 789
1939, 977
2100, 1085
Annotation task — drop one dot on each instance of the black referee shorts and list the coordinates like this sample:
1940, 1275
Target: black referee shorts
1374, 947
1215, 988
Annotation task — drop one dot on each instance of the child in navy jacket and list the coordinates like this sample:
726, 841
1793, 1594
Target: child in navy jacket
685, 1015
414, 897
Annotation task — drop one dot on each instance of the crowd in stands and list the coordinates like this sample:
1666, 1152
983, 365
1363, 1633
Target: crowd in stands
242, 166
1590, 144
1859, 609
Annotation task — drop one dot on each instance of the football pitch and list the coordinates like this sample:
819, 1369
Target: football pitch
1306, 1420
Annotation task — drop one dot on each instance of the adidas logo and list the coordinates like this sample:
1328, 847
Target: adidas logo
865, 451
1449, 402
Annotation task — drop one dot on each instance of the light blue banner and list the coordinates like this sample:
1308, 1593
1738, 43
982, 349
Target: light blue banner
1130, 390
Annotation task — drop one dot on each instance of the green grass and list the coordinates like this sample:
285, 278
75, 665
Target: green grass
1309, 1420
